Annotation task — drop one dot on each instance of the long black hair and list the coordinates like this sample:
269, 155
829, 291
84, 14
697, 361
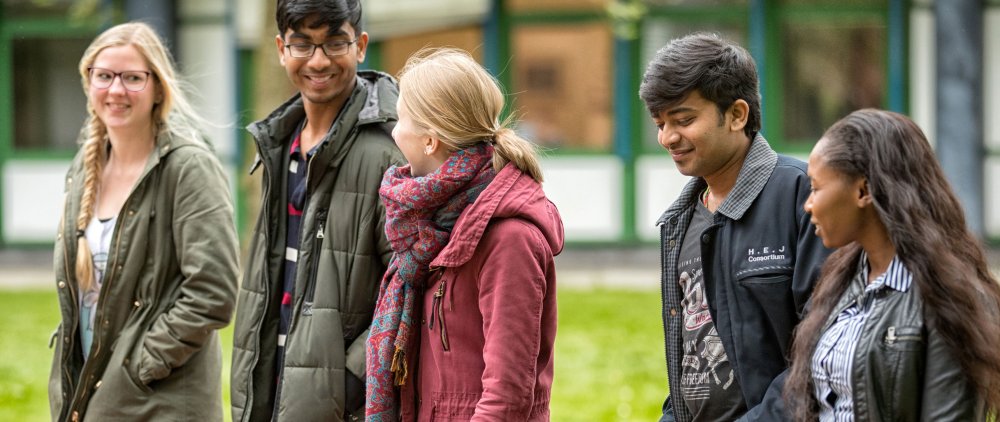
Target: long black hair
926, 224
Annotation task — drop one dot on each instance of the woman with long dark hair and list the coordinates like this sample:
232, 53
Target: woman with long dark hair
904, 321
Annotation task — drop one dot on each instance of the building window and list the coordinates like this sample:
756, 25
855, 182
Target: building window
13, 9
561, 84
49, 102
829, 70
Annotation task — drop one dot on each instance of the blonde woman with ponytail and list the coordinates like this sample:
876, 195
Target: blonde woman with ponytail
466, 316
145, 259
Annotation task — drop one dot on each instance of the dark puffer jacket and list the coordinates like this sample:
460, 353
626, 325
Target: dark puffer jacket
342, 256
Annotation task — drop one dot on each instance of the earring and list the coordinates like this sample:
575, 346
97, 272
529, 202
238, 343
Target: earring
428, 151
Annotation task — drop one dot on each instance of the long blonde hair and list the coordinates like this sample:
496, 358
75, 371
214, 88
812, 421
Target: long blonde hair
173, 115
456, 99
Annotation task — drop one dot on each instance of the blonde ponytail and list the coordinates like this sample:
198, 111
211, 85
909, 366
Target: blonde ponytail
93, 163
508, 146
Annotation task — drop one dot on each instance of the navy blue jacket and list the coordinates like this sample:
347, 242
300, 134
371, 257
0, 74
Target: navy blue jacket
761, 258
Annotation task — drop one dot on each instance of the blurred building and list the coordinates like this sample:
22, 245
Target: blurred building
572, 69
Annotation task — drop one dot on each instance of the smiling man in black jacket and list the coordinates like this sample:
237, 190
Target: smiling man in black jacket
739, 255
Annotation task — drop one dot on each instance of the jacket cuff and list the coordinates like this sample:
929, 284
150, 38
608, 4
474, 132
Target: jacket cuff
356, 356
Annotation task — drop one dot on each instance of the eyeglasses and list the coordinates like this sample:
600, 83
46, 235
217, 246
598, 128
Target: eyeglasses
332, 48
132, 80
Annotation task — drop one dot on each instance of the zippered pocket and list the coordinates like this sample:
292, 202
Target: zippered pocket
317, 248
896, 335
438, 311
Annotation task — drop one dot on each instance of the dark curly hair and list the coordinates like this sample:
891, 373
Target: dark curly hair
292, 14
721, 71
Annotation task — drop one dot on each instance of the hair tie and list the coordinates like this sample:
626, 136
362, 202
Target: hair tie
79, 233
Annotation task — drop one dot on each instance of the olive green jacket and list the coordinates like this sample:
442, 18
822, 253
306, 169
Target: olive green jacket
170, 284
342, 256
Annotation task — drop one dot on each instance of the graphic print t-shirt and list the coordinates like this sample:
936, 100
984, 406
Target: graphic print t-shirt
99, 234
708, 383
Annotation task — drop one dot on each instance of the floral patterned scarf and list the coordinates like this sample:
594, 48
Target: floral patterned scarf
420, 213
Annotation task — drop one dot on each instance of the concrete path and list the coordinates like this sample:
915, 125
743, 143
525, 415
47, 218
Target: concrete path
580, 267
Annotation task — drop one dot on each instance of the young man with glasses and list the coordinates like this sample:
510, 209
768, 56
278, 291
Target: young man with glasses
319, 250
740, 256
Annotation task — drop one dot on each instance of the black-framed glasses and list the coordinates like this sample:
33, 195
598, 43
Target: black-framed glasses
306, 50
132, 80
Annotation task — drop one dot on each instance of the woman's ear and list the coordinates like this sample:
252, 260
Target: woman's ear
158, 98
864, 193
431, 144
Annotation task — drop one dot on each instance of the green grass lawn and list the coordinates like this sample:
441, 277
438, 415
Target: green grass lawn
609, 355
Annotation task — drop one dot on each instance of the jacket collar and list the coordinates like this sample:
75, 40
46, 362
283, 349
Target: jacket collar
372, 101
757, 168
511, 194
896, 276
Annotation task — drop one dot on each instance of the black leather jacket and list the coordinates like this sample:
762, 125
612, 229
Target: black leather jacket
903, 370
761, 258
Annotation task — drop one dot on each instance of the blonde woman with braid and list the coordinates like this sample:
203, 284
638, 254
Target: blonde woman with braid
466, 317
145, 259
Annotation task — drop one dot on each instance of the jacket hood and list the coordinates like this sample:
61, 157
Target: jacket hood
373, 101
511, 194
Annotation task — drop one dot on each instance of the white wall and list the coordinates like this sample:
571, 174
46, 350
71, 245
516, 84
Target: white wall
991, 117
33, 200
588, 192
922, 70
658, 183
207, 47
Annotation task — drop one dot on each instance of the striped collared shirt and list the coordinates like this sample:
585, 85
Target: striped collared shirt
834, 356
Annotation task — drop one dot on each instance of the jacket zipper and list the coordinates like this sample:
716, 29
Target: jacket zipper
108, 276
891, 336
317, 247
74, 317
265, 217
438, 306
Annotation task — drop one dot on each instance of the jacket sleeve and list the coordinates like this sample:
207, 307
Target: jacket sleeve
947, 393
204, 236
772, 406
512, 290
810, 254
668, 411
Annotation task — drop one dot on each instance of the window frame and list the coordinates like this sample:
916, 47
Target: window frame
514, 20
45, 28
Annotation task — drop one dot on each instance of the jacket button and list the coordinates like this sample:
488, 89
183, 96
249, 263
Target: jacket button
706, 238
673, 312
98, 385
137, 304
672, 242
119, 268
673, 221
62, 284
131, 212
